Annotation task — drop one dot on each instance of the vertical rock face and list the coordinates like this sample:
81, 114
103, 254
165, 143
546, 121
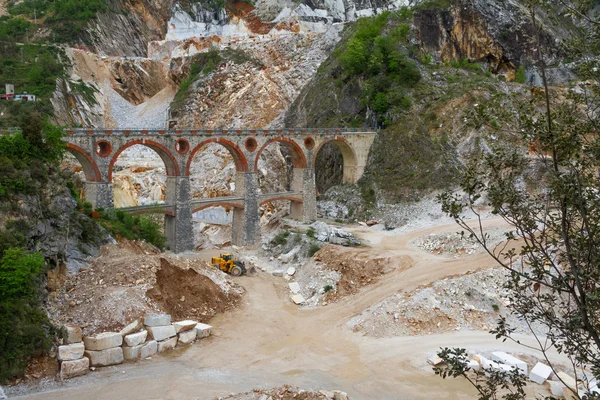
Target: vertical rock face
129, 26
499, 32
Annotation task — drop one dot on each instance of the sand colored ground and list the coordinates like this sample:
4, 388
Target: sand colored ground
270, 342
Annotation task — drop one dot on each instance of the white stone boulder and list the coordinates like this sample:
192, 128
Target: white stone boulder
435, 360
187, 337
297, 299
72, 334
567, 379
291, 271
135, 339
106, 357
203, 330
132, 353
2, 395
167, 345
157, 320
70, 352
556, 387
294, 287
508, 359
473, 365
540, 373
103, 341
149, 349
183, 326
71, 369
161, 332
133, 327
277, 272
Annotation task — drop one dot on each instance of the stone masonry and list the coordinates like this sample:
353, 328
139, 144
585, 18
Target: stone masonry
98, 150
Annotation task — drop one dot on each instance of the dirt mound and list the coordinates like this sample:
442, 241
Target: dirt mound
112, 292
357, 268
185, 294
286, 393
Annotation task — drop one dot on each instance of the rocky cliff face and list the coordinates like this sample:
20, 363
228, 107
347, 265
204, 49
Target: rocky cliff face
497, 32
128, 27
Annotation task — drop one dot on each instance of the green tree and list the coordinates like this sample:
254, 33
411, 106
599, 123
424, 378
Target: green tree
25, 330
552, 250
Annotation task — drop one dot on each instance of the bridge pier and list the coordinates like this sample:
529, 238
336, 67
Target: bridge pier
179, 228
246, 222
100, 194
303, 180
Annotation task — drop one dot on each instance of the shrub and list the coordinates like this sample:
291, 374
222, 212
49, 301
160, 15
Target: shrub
496, 307
328, 288
313, 249
311, 233
375, 53
521, 75
25, 330
280, 239
133, 227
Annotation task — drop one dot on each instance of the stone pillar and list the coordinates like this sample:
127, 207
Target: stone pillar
100, 194
246, 222
179, 229
304, 182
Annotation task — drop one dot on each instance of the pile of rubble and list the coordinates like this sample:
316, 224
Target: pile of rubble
474, 301
457, 245
134, 342
287, 393
448, 244
561, 384
131, 279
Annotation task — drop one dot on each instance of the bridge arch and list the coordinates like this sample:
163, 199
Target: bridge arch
241, 164
348, 155
169, 160
90, 169
298, 157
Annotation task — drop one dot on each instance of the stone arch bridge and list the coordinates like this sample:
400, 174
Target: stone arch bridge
97, 151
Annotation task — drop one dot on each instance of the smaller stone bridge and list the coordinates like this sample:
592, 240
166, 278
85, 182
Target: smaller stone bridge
98, 150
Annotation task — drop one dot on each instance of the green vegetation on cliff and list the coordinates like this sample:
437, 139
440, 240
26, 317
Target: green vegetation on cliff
66, 18
377, 77
41, 225
25, 330
376, 53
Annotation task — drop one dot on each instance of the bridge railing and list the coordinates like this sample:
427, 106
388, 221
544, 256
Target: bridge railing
218, 132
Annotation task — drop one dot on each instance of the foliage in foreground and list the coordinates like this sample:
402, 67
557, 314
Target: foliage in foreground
25, 330
552, 250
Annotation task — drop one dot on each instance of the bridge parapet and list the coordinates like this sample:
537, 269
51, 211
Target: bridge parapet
218, 132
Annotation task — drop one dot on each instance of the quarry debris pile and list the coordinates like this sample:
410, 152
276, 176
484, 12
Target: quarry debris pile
455, 244
131, 279
474, 301
287, 392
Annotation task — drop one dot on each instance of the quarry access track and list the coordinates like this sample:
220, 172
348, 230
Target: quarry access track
268, 342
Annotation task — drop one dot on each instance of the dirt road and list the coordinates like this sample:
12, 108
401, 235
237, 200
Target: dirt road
270, 342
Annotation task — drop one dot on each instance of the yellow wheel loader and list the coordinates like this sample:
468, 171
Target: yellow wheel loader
227, 264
